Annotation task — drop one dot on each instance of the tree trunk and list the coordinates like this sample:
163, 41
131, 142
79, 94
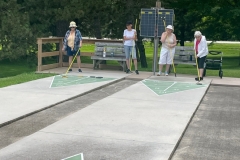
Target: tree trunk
140, 47
97, 28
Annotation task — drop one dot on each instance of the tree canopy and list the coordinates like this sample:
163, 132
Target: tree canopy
23, 21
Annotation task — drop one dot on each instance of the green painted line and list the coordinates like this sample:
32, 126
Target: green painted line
75, 157
167, 87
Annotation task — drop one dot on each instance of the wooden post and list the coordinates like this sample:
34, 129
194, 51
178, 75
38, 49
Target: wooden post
39, 41
60, 64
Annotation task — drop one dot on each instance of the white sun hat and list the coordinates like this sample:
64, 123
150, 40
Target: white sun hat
72, 24
170, 27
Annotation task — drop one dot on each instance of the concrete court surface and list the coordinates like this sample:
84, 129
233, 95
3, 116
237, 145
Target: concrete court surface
214, 132
22, 99
147, 128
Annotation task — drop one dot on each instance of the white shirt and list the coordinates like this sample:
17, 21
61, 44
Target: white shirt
202, 47
129, 34
169, 40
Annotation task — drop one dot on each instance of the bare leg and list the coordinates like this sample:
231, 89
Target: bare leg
79, 62
70, 60
201, 72
167, 67
128, 63
160, 67
135, 64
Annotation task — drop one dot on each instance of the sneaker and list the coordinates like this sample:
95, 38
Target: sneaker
166, 74
136, 72
201, 78
79, 70
70, 70
159, 73
128, 70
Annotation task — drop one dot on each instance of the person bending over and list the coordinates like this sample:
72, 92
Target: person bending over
201, 51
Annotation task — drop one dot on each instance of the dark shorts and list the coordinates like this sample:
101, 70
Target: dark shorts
201, 62
72, 52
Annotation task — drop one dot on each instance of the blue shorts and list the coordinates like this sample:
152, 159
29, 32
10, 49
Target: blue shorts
130, 50
71, 52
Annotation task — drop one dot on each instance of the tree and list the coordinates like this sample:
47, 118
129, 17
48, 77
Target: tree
16, 37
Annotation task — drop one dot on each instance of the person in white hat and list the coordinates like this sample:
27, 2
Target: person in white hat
167, 52
72, 42
201, 50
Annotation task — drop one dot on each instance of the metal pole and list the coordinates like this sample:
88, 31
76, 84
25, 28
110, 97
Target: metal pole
155, 54
158, 5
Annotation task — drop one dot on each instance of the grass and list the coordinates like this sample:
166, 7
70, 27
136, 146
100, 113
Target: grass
21, 78
15, 72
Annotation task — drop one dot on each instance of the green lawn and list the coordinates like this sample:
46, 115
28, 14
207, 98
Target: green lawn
23, 77
231, 60
15, 72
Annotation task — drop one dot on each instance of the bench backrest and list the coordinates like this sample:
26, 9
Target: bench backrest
116, 48
184, 53
184, 50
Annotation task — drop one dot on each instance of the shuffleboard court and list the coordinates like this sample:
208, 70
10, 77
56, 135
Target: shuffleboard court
75, 157
167, 87
59, 81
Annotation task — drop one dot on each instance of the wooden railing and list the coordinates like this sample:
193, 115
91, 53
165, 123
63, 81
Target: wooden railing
60, 53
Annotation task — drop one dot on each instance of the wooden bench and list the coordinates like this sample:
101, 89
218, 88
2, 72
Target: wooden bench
114, 51
184, 55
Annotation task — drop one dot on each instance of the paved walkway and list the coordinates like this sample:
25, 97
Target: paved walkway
134, 123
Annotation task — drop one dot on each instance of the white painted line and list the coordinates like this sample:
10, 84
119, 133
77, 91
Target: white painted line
149, 88
52, 82
170, 86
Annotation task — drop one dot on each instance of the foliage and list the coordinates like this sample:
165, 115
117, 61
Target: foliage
16, 35
23, 21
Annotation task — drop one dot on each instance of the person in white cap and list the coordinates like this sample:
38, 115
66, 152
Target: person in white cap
72, 42
201, 50
167, 52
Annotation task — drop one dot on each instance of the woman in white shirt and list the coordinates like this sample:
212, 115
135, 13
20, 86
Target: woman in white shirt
129, 37
201, 50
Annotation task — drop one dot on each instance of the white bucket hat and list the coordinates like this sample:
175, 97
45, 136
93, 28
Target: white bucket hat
170, 27
72, 24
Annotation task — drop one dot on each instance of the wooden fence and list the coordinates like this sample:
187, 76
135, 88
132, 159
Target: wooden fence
60, 53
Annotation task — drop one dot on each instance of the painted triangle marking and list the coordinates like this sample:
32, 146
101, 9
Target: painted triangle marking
167, 87
59, 81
